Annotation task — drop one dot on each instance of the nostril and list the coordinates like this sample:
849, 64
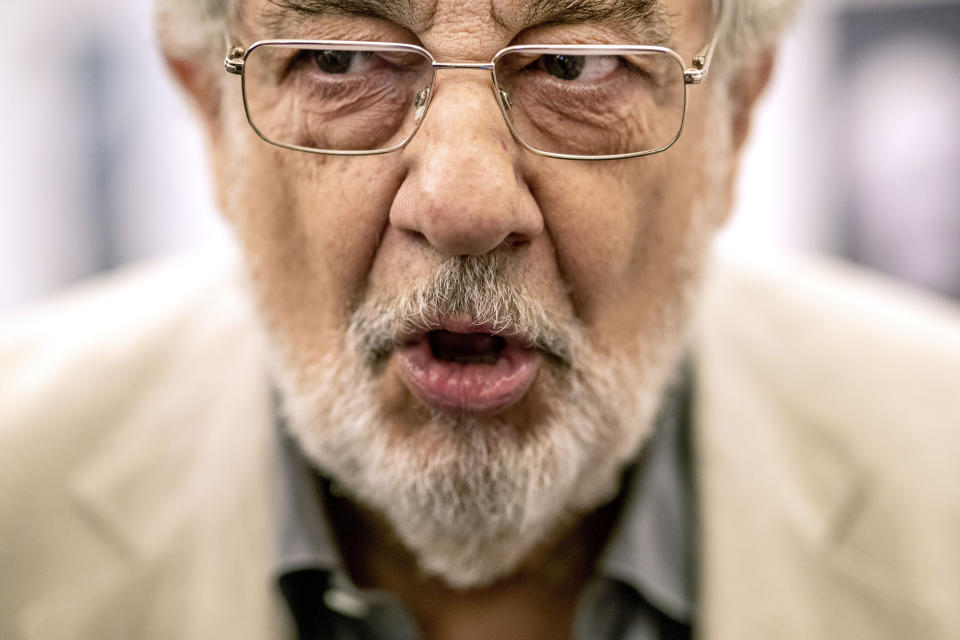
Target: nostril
417, 236
516, 240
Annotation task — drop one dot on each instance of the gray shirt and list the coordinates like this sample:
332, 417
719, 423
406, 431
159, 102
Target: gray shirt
643, 587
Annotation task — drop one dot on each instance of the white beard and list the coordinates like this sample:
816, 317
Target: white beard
471, 497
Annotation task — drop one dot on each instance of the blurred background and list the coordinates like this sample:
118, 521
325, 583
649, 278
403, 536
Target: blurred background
856, 151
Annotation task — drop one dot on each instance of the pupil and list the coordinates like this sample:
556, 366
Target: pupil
330, 61
565, 67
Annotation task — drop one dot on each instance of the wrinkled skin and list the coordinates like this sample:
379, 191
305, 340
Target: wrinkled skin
608, 243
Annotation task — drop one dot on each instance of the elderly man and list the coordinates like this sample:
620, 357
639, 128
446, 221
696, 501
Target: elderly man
483, 390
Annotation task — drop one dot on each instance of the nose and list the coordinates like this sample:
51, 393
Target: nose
463, 192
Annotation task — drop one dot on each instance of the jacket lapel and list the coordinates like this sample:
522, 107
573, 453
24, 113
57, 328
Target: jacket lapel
178, 499
788, 438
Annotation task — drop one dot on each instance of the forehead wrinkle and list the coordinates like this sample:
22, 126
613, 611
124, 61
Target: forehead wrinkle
278, 14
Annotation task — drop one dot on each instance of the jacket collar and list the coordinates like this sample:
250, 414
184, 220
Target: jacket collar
786, 474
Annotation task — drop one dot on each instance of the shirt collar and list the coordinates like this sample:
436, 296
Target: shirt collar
304, 537
651, 548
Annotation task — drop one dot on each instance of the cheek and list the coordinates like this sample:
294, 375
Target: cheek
627, 235
310, 226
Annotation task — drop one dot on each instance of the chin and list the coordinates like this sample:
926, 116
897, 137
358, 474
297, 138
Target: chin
471, 495
472, 486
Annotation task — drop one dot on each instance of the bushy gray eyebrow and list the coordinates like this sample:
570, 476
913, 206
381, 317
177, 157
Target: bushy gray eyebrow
550, 11
404, 12
648, 14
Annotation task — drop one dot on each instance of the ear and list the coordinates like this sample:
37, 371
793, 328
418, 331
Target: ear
746, 89
197, 79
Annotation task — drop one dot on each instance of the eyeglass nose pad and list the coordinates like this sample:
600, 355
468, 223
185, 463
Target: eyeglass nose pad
420, 102
506, 99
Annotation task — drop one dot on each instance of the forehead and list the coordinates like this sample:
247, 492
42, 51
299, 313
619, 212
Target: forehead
512, 16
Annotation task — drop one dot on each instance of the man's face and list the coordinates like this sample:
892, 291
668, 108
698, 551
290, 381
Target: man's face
471, 338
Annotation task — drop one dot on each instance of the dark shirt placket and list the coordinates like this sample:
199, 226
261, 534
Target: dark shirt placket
643, 588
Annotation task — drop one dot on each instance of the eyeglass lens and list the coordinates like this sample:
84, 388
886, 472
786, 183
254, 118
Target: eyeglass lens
593, 104
339, 99
352, 98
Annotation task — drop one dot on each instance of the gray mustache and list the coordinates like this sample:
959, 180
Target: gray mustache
484, 288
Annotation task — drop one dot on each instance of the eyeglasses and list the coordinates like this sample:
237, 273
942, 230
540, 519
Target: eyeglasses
580, 102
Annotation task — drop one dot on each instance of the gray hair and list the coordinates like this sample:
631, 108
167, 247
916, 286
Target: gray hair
197, 27
754, 27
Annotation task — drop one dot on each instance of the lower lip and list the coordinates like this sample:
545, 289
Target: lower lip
470, 388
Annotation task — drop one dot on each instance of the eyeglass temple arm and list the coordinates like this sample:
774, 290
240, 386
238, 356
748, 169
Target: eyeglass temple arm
704, 58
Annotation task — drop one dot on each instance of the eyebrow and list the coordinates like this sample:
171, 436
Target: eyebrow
646, 14
632, 13
405, 12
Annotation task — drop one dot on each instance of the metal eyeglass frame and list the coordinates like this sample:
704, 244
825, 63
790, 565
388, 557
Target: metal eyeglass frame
697, 73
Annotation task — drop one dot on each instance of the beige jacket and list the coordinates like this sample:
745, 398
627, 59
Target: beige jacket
135, 456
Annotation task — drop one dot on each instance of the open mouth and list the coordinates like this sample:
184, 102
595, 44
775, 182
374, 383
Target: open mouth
465, 368
466, 348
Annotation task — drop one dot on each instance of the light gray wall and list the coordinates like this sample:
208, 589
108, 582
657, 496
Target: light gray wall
101, 162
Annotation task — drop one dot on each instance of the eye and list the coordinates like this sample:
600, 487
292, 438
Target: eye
589, 68
342, 62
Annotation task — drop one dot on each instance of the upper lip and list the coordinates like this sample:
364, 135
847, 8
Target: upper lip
463, 324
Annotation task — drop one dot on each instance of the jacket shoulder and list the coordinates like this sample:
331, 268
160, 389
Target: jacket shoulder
109, 393
835, 345
828, 414
112, 335
835, 331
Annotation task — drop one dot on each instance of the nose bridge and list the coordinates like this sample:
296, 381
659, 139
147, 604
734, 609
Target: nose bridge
462, 78
463, 192
464, 92
473, 81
